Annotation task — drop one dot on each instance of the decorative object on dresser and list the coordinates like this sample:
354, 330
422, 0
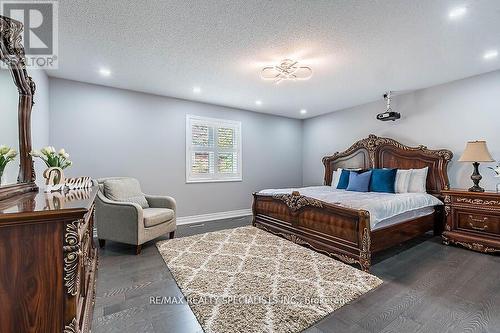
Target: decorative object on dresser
472, 220
48, 263
56, 162
54, 175
346, 233
21, 94
476, 151
124, 214
53, 159
7, 155
497, 175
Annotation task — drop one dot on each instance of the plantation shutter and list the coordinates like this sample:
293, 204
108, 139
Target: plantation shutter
213, 149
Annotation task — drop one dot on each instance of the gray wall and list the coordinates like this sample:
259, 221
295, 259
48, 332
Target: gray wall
445, 116
113, 132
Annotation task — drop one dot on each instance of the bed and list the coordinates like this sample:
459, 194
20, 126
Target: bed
318, 217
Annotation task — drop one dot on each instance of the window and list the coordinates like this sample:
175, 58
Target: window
213, 150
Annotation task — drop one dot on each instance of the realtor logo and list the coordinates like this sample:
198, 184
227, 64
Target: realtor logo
40, 35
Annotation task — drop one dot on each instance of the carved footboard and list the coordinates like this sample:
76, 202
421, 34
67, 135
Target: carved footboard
340, 232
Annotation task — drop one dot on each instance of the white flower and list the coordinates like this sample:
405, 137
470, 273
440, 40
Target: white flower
4, 149
11, 154
35, 153
45, 150
62, 152
52, 149
66, 155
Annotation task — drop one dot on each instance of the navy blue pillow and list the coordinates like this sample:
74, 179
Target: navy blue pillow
343, 180
359, 182
383, 180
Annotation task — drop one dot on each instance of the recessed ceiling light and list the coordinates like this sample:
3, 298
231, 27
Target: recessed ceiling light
258, 102
457, 12
490, 54
303, 111
104, 72
196, 90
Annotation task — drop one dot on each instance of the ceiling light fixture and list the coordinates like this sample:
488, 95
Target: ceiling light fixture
104, 72
258, 102
490, 54
303, 111
196, 90
287, 69
457, 12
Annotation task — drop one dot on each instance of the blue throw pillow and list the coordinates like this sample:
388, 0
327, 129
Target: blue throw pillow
343, 180
359, 182
383, 180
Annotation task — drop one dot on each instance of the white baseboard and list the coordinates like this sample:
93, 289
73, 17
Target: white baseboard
213, 216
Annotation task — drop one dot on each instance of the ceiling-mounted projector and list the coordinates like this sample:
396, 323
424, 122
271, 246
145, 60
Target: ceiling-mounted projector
388, 114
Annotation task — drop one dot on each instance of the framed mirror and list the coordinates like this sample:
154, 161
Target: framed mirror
16, 100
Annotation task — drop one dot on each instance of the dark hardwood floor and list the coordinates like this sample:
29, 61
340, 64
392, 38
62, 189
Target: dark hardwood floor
428, 287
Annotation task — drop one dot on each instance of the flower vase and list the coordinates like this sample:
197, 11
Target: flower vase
54, 179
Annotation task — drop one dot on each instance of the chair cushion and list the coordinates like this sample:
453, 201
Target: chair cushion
155, 216
125, 190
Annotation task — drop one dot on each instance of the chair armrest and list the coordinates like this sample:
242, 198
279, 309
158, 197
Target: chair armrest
157, 201
118, 221
120, 204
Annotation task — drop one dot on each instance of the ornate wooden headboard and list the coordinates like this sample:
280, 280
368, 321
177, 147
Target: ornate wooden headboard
377, 152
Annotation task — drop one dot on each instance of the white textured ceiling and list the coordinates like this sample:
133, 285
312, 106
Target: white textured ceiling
357, 48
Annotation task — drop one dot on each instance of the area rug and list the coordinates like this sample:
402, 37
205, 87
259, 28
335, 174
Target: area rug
248, 280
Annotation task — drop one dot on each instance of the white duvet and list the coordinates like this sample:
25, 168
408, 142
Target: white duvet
381, 206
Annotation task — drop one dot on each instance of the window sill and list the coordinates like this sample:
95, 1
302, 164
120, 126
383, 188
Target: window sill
194, 181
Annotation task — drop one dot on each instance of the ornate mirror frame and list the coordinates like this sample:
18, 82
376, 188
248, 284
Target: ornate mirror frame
12, 54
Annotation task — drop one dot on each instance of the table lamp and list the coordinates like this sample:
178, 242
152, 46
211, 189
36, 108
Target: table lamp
476, 151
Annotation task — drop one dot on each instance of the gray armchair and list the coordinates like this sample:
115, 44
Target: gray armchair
124, 214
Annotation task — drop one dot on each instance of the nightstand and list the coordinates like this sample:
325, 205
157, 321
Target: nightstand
472, 220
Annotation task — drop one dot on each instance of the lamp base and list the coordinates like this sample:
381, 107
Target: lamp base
476, 177
476, 189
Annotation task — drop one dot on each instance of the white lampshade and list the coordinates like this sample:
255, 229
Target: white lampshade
476, 151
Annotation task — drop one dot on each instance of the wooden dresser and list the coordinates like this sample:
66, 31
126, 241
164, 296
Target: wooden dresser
472, 220
48, 262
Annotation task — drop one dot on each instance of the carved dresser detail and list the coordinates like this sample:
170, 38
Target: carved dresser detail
472, 220
48, 262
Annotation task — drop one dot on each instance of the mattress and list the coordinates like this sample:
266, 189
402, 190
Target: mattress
403, 217
381, 206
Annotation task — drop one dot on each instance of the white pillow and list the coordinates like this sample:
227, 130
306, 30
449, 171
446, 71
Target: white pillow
418, 180
336, 177
402, 181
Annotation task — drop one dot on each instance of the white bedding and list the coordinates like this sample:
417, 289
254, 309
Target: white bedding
381, 206
403, 217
